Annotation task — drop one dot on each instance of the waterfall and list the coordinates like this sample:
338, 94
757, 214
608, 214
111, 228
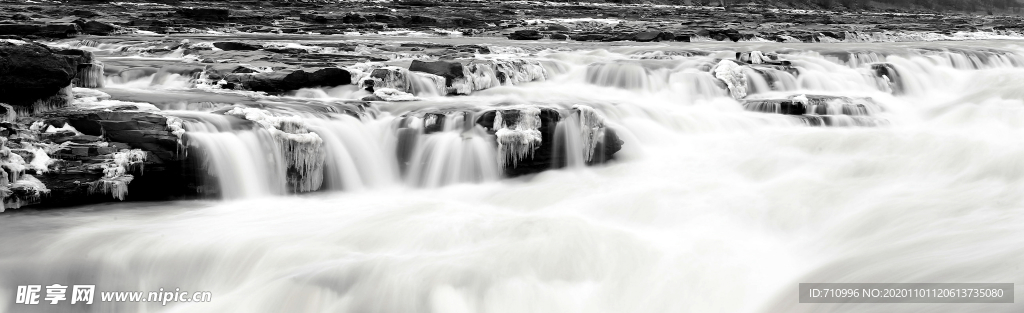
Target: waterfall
244, 162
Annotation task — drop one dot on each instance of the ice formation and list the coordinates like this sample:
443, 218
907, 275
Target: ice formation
591, 129
402, 79
389, 94
10, 115
517, 141
756, 57
66, 127
130, 160
174, 124
26, 190
90, 75
116, 187
732, 74
303, 150
517, 71
40, 160
61, 99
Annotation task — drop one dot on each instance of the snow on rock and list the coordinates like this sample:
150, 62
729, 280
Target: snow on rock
732, 74
115, 178
388, 94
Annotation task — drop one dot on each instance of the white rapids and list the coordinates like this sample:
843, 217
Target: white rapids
707, 207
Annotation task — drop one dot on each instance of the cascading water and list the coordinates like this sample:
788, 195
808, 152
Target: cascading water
721, 197
244, 162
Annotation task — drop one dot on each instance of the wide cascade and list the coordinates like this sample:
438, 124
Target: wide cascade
530, 178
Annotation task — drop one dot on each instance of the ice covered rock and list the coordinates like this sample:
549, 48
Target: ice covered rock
303, 151
401, 79
389, 94
517, 140
732, 74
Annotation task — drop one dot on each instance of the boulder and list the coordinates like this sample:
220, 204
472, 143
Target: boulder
96, 27
450, 70
526, 34
30, 72
282, 81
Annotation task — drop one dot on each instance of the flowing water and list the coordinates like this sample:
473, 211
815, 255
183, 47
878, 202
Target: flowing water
708, 207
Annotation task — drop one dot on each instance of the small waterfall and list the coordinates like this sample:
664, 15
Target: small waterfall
90, 75
697, 85
401, 79
244, 162
630, 76
577, 138
356, 153
448, 151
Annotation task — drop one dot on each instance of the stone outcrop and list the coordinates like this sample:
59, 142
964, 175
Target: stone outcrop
35, 78
41, 30
282, 81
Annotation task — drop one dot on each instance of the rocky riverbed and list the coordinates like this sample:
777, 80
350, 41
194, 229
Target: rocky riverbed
521, 20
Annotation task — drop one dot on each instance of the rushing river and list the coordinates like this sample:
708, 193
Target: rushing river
707, 208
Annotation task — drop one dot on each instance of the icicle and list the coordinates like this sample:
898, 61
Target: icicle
27, 190
592, 129
403, 80
303, 150
11, 162
61, 99
304, 153
116, 187
129, 160
174, 124
90, 75
518, 141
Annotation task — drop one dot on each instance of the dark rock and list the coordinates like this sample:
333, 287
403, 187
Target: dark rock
236, 46
593, 37
206, 14
559, 36
647, 36
42, 30
546, 156
286, 50
282, 81
30, 72
447, 69
353, 18
85, 13
526, 34
422, 20
95, 27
